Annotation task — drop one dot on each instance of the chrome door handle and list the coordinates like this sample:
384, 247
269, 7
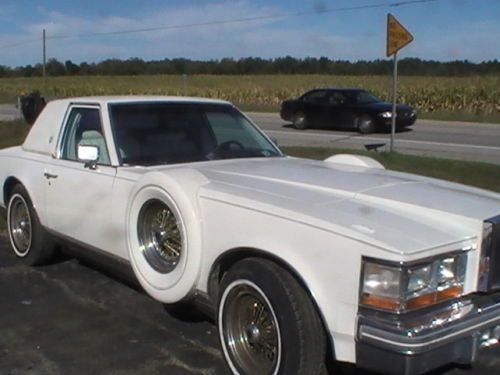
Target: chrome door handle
49, 175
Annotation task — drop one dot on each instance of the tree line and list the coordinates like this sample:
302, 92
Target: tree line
255, 65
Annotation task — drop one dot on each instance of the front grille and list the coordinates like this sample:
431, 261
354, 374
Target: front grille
493, 253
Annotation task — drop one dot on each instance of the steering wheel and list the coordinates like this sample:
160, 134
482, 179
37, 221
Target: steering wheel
224, 146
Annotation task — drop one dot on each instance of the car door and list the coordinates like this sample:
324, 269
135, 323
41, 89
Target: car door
78, 196
340, 108
316, 108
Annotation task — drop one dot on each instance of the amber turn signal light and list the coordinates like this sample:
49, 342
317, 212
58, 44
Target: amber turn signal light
431, 298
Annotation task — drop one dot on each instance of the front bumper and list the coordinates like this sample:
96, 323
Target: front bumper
418, 342
401, 122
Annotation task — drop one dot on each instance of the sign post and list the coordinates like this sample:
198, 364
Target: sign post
397, 38
394, 99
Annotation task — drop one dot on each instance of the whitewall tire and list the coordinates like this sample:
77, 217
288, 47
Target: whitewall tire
29, 240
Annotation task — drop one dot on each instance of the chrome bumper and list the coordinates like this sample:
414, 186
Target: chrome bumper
418, 342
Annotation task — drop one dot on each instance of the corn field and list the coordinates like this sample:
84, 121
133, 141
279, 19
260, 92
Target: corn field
472, 95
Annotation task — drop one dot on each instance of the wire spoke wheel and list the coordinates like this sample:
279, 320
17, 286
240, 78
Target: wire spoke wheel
160, 236
20, 225
251, 330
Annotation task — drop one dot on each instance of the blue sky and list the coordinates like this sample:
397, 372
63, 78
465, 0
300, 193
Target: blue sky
443, 30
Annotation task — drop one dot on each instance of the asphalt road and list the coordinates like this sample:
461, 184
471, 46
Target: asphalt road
9, 112
454, 140
69, 318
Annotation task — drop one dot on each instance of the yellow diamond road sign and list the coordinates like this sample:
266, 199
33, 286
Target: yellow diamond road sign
397, 35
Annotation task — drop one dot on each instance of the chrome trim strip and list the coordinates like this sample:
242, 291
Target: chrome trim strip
422, 332
432, 342
103, 259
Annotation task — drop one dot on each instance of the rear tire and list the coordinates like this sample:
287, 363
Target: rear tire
29, 240
365, 124
300, 121
267, 322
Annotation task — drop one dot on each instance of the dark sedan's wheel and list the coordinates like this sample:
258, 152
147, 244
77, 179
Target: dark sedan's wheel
366, 125
29, 240
267, 323
300, 121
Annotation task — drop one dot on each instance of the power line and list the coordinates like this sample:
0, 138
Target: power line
232, 21
21, 43
247, 19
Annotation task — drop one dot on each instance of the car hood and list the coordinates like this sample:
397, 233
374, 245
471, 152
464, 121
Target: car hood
384, 106
398, 212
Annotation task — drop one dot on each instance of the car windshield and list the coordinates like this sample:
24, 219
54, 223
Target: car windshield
167, 133
364, 97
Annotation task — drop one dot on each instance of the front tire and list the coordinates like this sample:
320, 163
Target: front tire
366, 125
267, 323
300, 121
29, 240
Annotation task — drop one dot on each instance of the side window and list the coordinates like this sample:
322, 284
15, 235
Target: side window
318, 97
84, 128
337, 98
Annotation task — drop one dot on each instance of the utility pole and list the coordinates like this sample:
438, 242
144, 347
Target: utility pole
44, 71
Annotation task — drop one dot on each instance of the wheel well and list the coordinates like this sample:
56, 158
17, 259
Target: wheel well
7, 188
365, 115
225, 261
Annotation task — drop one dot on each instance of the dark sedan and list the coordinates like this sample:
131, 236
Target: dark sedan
345, 109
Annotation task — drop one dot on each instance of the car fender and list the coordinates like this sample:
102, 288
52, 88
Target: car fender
27, 172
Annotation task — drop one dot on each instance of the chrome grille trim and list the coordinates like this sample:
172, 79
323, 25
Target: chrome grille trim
489, 280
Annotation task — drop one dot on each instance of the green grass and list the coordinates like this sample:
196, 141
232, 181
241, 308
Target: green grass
475, 98
482, 175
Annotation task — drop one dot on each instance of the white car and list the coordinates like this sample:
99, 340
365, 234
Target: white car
300, 262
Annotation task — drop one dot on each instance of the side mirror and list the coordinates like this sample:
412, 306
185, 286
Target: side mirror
89, 155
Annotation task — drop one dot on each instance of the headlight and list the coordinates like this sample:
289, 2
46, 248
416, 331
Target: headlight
401, 288
381, 286
386, 114
419, 279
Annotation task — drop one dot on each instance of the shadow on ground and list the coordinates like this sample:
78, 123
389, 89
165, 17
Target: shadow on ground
69, 318
354, 131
